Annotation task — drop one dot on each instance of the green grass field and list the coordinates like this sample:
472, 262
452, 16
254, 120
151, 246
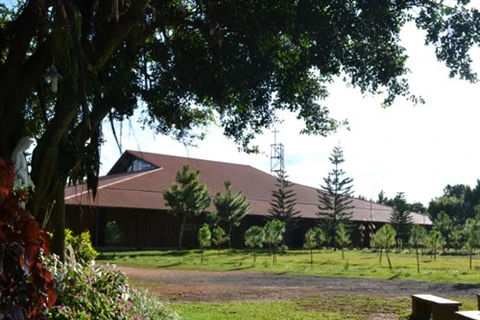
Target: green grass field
330, 307
446, 268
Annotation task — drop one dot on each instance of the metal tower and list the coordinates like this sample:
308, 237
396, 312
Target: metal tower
276, 155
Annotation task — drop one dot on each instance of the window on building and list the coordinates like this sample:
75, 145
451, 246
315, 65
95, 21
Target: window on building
140, 165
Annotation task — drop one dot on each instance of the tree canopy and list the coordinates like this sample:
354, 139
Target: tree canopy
191, 63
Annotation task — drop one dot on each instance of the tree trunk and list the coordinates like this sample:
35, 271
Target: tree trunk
388, 259
471, 254
230, 236
418, 260
334, 236
180, 234
58, 243
311, 255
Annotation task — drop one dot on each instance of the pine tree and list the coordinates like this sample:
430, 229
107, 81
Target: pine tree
401, 220
342, 238
231, 208
186, 197
282, 206
335, 198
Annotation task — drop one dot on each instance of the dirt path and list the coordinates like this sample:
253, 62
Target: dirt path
249, 285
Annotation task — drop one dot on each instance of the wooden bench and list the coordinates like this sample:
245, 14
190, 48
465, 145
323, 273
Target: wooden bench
425, 306
468, 315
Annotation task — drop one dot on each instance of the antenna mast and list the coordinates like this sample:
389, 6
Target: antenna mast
276, 155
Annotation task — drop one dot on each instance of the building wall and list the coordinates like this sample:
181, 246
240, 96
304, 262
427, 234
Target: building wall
140, 228
158, 229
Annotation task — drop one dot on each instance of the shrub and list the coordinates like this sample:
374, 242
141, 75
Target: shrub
89, 292
82, 246
148, 306
113, 234
26, 287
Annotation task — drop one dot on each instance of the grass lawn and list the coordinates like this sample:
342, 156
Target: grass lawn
331, 307
446, 268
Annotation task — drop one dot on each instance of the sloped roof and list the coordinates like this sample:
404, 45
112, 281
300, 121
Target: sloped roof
144, 189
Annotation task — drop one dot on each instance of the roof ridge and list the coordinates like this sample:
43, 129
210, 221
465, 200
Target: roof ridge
141, 174
190, 158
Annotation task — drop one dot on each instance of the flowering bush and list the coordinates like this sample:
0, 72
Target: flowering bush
90, 292
27, 288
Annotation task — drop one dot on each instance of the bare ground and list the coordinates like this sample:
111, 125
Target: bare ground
221, 286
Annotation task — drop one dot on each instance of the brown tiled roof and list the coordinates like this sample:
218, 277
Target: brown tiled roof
145, 189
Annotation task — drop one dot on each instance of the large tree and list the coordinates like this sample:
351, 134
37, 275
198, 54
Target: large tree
335, 198
190, 63
231, 208
186, 197
282, 206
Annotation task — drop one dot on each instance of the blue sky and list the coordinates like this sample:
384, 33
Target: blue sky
417, 150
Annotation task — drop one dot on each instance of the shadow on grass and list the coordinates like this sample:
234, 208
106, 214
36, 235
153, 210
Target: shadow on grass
134, 254
395, 276
239, 268
175, 264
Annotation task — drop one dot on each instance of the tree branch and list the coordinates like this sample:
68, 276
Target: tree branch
116, 32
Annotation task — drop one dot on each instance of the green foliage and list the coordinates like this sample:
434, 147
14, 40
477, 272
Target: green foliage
149, 307
418, 236
26, 285
89, 292
81, 245
86, 292
456, 238
282, 206
384, 239
310, 239
196, 61
255, 237
310, 242
113, 233
186, 197
434, 242
231, 208
219, 236
335, 198
321, 237
204, 238
444, 224
401, 220
472, 234
343, 238
274, 230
